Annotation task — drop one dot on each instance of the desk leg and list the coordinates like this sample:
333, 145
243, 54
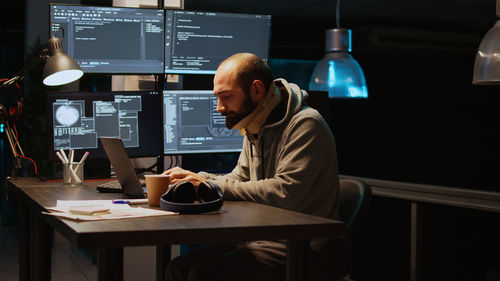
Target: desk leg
415, 248
297, 260
163, 256
24, 242
41, 253
110, 264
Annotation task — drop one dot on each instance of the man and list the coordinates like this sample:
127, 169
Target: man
288, 160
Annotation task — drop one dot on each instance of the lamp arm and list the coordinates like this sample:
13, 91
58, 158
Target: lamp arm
27, 67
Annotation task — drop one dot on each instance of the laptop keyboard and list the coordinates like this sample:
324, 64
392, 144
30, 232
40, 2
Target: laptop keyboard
109, 186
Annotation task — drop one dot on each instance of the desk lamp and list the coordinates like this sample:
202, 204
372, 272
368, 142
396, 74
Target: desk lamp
59, 69
338, 73
487, 63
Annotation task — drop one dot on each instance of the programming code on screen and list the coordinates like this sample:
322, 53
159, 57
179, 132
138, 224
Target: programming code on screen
111, 39
79, 119
192, 124
196, 42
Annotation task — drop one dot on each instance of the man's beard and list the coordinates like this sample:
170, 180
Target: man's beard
233, 117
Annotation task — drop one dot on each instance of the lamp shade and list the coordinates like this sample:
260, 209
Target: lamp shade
487, 63
59, 69
338, 73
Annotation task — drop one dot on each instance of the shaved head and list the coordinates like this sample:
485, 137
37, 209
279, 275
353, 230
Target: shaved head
240, 83
244, 68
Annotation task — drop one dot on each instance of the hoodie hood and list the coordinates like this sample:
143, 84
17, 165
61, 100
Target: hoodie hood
296, 99
253, 122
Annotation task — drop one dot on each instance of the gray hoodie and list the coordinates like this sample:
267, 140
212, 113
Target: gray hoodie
293, 163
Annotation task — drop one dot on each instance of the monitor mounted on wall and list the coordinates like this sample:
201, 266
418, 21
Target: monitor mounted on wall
191, 124
112, 40
196, 42
77, 119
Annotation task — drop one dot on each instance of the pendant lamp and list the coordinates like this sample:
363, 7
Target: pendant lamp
487, 63
338, 73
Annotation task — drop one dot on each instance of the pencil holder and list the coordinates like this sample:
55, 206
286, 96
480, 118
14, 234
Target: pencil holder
72, 174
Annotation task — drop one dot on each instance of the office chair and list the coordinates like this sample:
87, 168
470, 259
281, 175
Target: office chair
355, 197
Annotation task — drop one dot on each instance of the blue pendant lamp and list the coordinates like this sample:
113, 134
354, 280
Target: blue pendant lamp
338, 73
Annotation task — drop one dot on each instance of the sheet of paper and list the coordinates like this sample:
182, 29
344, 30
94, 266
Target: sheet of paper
66, 205
116, 211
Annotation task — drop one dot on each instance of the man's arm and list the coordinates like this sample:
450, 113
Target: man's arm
239, 173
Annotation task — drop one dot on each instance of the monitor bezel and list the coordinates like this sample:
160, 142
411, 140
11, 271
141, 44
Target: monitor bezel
99, 153
192, 152
212, 72
160, 72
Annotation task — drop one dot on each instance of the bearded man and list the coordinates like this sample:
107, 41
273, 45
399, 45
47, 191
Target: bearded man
288, 160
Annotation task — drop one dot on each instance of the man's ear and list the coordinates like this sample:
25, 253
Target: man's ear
257, 91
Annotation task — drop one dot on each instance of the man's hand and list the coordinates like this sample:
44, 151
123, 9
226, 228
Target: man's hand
178, 174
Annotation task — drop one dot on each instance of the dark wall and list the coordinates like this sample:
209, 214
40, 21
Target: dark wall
424, 121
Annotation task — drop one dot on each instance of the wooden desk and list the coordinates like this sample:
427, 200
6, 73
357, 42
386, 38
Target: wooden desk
238, 221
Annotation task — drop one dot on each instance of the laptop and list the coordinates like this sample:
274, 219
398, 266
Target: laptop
115, 150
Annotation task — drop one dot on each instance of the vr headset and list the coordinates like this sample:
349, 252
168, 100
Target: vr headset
180, 197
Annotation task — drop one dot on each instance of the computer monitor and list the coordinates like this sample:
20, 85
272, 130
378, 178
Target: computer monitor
111, 39
191, 124
77, 119
196, 42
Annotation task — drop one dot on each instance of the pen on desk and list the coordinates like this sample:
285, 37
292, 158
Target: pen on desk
131, 201
120, 202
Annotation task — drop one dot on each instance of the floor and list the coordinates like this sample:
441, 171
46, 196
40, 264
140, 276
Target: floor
71, 264
68, 263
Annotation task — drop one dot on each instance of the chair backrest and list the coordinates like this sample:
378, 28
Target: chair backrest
355, 196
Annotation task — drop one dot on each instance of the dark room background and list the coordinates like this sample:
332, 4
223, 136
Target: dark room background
424, 122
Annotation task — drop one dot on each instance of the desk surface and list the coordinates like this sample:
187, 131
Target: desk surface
237, 221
